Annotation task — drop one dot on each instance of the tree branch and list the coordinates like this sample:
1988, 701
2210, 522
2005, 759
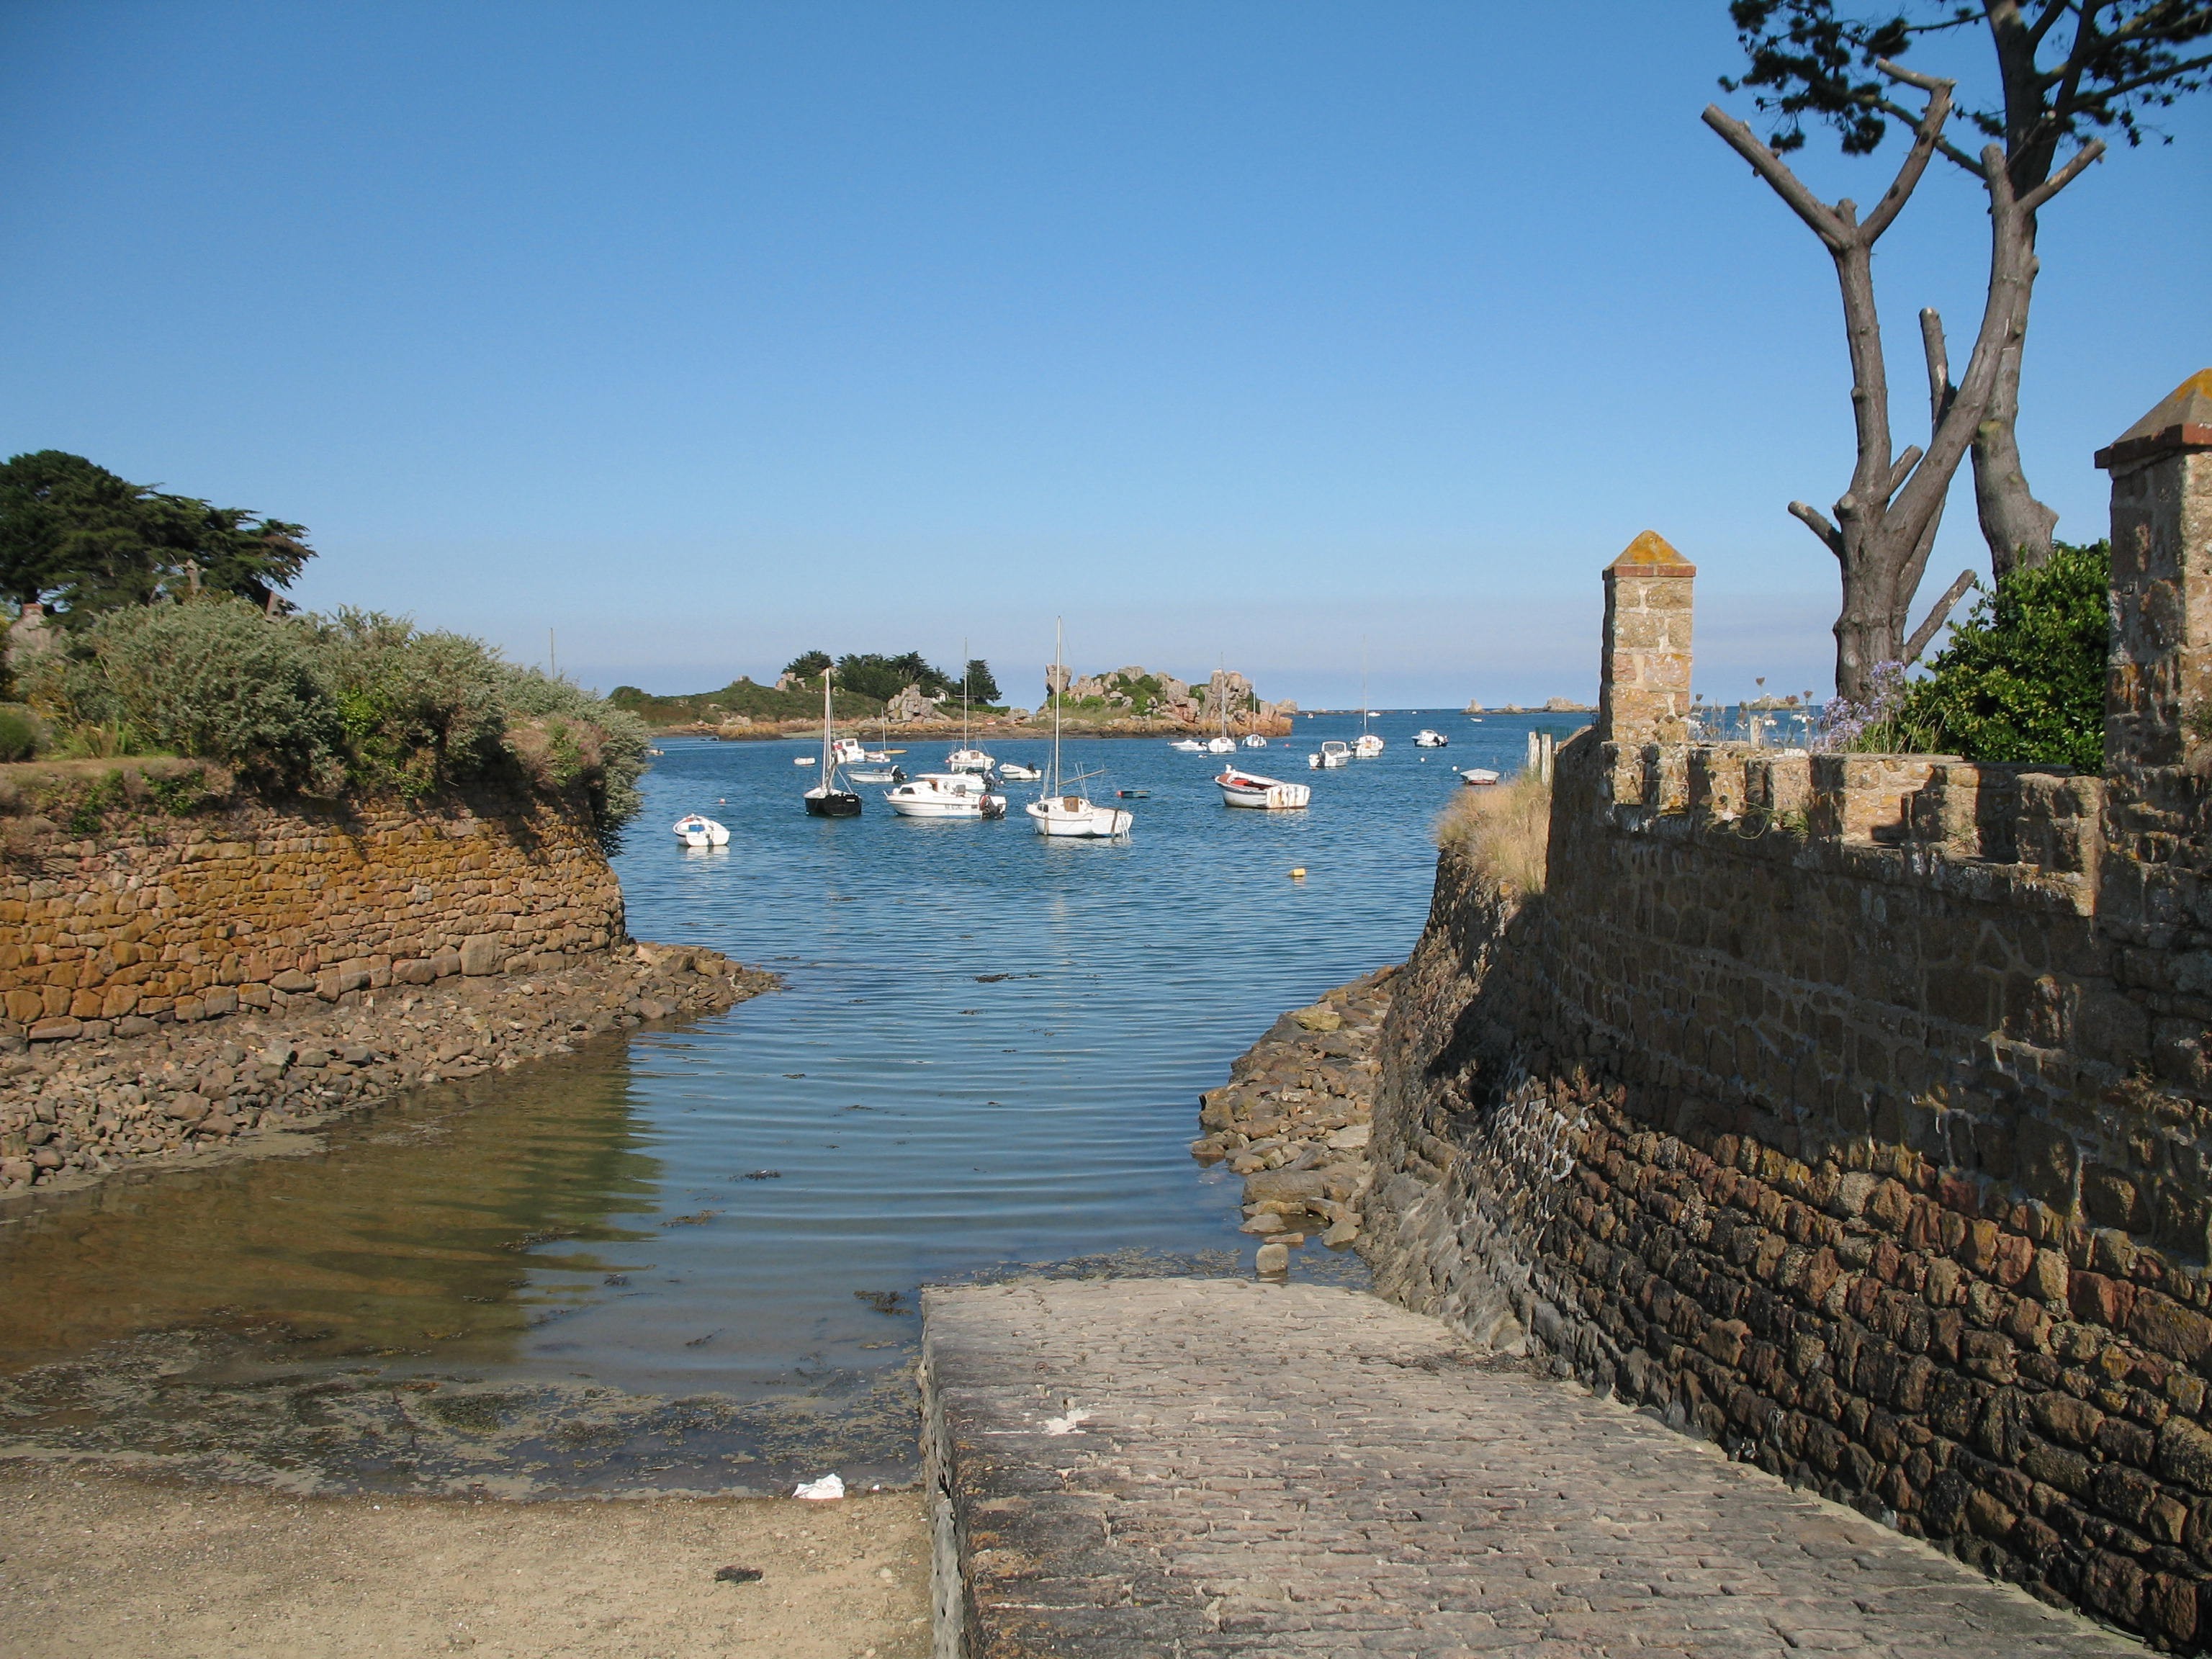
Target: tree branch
1925, 133
1938, 614
1901, 471
1940, 389
1823, 220
1815, 521
2065, 176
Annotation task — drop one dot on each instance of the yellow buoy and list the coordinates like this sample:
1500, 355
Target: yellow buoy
1299, 873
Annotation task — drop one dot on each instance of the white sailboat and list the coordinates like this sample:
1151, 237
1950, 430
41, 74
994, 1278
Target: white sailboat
1224, 744
1060, 812
1368, 745
966, 758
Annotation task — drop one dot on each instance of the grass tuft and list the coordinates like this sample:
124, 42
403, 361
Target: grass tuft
1504, 829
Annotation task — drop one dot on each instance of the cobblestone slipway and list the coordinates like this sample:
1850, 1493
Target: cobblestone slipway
1179, 1467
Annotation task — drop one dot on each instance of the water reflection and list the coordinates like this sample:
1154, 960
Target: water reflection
412, 1232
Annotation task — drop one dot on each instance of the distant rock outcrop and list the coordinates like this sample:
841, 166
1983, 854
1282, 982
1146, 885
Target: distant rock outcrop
1139, 693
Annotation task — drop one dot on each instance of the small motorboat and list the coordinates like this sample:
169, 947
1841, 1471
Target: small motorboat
693, 830
1017, 773
1478, 776
876, 774
945, 795
850, 751
802, 760
1187, 746
1367, 746
1242, 788
1254, 740
1334, 752
1221, 746
969, 760
1425, 739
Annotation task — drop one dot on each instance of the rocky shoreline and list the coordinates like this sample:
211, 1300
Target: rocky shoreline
74, 1112
1295, 1118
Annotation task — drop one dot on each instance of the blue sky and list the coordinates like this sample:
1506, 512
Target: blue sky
704, 334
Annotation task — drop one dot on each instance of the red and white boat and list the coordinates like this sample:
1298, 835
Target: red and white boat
1242, 788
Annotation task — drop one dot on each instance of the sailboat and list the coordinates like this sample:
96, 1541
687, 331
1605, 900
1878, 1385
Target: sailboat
830, 799
1059, 812
1224, 744
966, 758
1370, 745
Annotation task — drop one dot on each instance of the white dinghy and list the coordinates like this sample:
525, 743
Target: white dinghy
695, 829
1242, 788
1479, 777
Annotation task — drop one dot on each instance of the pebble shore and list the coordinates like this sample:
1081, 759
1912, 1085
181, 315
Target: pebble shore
74, 1112
1295, 1117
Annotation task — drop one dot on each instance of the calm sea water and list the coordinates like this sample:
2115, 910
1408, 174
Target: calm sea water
987, 1053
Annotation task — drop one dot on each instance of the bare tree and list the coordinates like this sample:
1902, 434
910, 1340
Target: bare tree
2065, 68
1886, 521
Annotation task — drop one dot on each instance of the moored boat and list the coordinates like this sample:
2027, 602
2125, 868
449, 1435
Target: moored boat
695, 829
945, 795
1254, 740
1478, 776
830, 799
1059, 812
1242, 788
1187, 746
1425, 738
1018, 773
1334, 751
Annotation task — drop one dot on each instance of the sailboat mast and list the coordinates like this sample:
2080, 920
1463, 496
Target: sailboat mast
963, 694
828, 766
1059, 674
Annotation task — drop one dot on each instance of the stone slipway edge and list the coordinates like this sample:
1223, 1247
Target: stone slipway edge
1187, 1466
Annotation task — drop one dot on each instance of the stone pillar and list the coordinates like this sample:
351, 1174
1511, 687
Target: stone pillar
1644, 678
2160, 670
2154, 879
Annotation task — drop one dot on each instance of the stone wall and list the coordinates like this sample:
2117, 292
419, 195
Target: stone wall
242, 903
1852, 1111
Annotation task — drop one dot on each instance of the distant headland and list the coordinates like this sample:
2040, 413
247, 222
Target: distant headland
923, 702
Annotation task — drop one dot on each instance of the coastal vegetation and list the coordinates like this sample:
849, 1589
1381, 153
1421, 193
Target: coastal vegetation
2022, 679
354, 704
82, 542
1503, 831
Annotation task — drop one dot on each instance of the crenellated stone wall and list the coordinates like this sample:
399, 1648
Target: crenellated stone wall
151, 918
1853, 1110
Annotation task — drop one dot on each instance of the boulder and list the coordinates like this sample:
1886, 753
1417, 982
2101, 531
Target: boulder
1287, 1186
482, 954
1319, 1018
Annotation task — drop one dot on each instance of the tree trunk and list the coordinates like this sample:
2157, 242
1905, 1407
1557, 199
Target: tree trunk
2017, 526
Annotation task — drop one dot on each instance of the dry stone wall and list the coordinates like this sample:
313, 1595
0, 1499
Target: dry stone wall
155, 919
1855, 1111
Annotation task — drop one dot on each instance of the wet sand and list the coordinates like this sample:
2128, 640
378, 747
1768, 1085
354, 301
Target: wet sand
96, 1561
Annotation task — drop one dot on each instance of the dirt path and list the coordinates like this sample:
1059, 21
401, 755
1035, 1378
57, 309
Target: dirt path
94, 1562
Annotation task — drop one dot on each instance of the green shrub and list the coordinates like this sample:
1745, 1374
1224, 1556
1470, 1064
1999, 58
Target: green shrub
216, 680
356, 702
19, 732
2023, 677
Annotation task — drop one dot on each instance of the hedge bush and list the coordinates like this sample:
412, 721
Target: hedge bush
2023, 677
357, 702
